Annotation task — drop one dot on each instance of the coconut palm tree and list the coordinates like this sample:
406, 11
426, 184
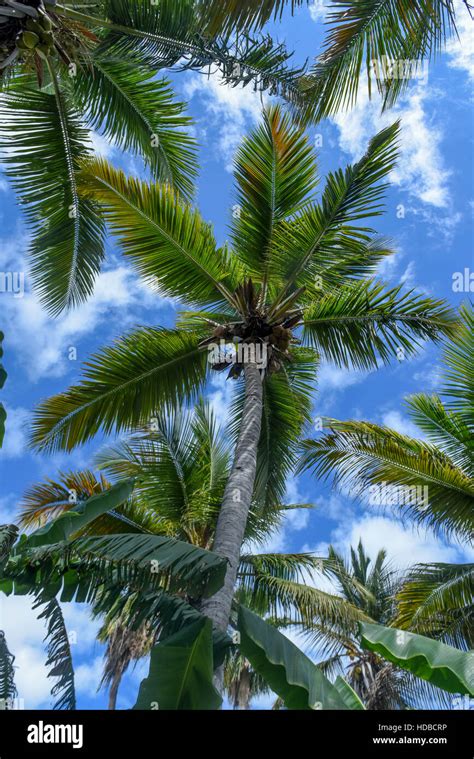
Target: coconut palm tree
436, 599
66, 69
288, 287
181, 469
368, 590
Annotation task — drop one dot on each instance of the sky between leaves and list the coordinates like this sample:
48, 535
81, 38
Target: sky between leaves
433, 182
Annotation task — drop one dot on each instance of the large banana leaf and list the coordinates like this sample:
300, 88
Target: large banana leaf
201, 571
286, 669
181, 671
70, 522
348, 694
443, 666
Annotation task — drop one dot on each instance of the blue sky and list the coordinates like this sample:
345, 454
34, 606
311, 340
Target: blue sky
429, 215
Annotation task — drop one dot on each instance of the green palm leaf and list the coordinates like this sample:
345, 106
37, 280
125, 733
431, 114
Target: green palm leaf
169, 242
170, 33
286, 669
74, 520
362, 323
275, 170
122, 388
58, 653
443, 428
147, 120
43, 162
310, 242
360, 455
8, 689
245, 14
459, 358
181, 672
201, 571
364, 31
436, 600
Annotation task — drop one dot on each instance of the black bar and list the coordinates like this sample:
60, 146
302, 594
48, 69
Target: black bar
134, 734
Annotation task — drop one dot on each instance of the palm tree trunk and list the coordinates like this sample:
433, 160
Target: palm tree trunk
114, 689
235, 507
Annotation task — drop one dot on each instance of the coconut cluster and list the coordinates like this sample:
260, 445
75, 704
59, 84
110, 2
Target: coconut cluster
26, 30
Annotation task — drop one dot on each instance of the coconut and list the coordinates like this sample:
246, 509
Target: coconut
30, 39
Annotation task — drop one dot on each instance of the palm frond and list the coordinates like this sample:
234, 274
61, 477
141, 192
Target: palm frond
459, 358
436, 600
8, 689
147, 120
372, 460
171, 245
375, 37
123, 386
170, 34
361, 323
59, 657
320, 234
43, 162
275, 171
244, 14
443, 428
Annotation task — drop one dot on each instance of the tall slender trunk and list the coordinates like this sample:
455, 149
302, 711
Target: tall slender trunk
235, 507
114, 689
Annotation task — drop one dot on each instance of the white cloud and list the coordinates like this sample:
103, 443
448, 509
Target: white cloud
102, 146
319, 10
408, 276
233, 110
8, 508
42, 343
460, 48
25, 634
430, 378
87, 677
401, 424
405, 545
420, 170
16, 432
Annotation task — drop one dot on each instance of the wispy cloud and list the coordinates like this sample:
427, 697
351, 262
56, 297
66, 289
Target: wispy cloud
230, 110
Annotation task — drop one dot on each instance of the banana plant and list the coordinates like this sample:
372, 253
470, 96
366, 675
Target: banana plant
52, 562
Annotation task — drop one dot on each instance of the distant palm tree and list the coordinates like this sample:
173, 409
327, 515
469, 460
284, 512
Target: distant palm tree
295, 273
67, 68
436, 599
367, 590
